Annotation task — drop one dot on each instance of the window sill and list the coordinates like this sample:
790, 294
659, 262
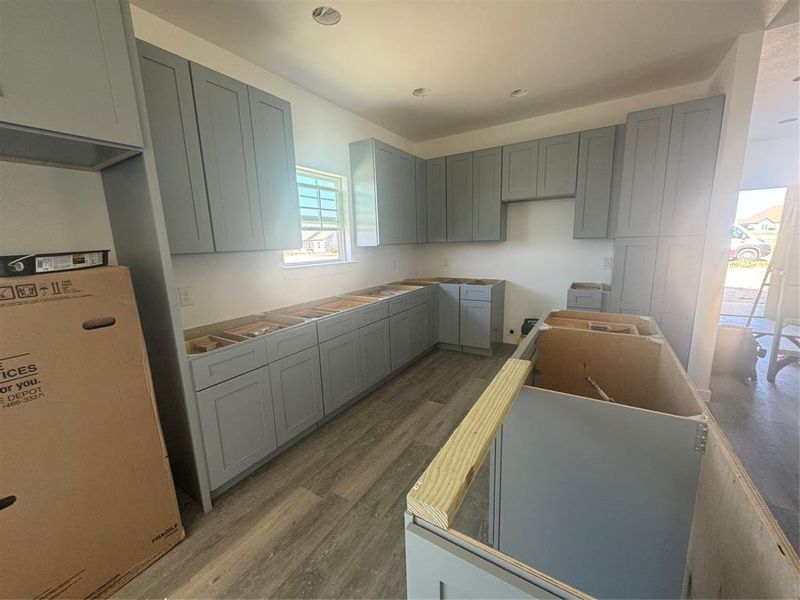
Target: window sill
325, 268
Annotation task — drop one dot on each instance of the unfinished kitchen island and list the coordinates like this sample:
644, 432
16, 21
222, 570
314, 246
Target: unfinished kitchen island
607, 477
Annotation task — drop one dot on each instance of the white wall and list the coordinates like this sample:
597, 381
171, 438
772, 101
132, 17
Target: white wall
771, 163
540, 259
736, 78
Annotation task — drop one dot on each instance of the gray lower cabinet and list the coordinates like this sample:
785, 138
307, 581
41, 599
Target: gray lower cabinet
593, 189
176, 144
488, 211
376, 362
66, 69
520, 167
632, 278
419, 329
400, 338
421, 181
558, 164
296, 393
475, 324
647, 135
226, 139
436, 181
276, 170
238, 425
693, 142
433, 315
459, 197
340, 362
449, 313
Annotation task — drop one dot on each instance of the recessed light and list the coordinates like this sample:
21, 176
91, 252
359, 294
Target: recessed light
796, 79
519, 93
420, 92
326, 15
783, 121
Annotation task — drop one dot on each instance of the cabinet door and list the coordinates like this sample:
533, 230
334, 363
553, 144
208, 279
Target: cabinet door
677, 277
405, 191
449, 313
419, 329
400, 338
643, 172
421, 181
476, 324
296, 393
520, 168
616, 180
176, 144
693, 142
376, 363
387, 210
276, 170
488, 212
558, 166
226, 141
593, 190
66, 69
436, 181
433, 315
459, 197
632, 279
340, 362
238, 424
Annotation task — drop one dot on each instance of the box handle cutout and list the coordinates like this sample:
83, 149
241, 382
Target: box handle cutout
99, 323
7, 501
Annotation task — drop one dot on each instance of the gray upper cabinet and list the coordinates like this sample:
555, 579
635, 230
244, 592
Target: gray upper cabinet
677, 276
296, 393
436, 180
384, 193
275, 170
70, 71
593, 190
476, 324
226, 139
173, 126
375, 350
616, 180
488, 211
644, 168
520, 168
421, 181
693, 142
449, 315
238, 426
632, 278
459, 197
340, 362
558, 164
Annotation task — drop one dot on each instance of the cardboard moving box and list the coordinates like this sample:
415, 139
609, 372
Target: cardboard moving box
86, 495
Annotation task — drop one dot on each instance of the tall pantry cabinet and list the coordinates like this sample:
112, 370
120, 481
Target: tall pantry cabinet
668, 173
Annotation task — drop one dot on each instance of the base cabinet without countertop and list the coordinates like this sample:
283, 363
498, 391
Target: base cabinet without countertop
376, 362
296, 393
340, 362
449, 313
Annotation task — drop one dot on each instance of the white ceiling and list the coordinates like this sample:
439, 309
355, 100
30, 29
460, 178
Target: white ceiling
472, 53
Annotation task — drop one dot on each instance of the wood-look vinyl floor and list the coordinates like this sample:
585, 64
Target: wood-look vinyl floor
325, 518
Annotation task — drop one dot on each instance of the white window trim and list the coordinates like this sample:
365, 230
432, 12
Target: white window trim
346, 255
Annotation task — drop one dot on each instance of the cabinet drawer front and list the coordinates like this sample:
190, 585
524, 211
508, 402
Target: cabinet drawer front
340, 363
398, 304
588, 300
451, 289
336, 325
373, 313
292, 340
476, 292
417, 297
228, 363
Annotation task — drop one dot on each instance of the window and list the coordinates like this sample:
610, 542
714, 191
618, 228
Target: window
323, 217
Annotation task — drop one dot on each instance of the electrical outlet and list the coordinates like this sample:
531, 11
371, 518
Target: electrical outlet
606, 263
185, 296
510, 332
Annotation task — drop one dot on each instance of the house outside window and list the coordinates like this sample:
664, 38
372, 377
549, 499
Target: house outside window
323, 218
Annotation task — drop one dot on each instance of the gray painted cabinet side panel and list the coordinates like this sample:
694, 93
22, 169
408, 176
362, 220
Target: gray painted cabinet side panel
476, 324
449, 313
226, 140
238, 424
421, 183
520, 169
296, 393
644, 170
632, 279
276, 170
436, 181
693, 142
593, 190
364, 192
340, 361
618, 491
677, 278
558, 166
376, 362
176, 144
459, 197
488, 211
